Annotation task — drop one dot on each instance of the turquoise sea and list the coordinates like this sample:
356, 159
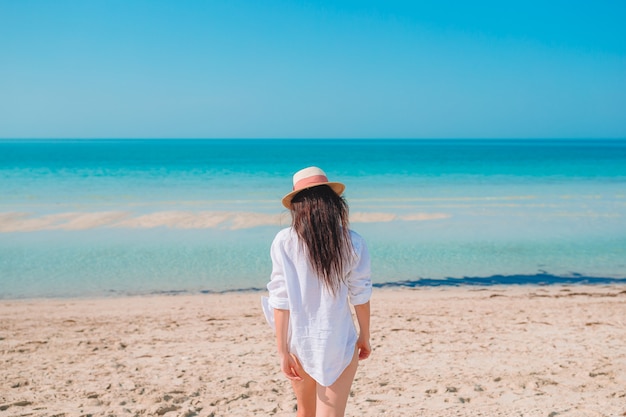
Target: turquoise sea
113, 217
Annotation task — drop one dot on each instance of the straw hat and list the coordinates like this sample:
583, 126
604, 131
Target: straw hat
308, 178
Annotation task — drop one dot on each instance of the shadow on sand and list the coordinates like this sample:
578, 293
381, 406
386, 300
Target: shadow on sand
537, 279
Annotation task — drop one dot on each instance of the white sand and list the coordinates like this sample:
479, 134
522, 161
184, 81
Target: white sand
496, 351
176, 219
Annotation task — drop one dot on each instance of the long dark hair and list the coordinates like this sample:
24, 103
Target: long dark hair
320, 218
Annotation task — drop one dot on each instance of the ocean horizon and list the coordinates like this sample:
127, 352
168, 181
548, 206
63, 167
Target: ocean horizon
82, 218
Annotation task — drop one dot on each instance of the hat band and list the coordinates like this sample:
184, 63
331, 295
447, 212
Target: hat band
313, 179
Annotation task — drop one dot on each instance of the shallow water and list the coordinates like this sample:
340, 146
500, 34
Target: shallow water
107, 217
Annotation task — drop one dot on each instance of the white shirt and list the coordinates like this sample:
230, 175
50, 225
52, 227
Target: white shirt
322, 334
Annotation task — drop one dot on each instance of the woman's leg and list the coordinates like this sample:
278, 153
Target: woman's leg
305, 392
332, 400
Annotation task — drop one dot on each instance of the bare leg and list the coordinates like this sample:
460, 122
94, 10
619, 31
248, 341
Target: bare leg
305, 392
332, 400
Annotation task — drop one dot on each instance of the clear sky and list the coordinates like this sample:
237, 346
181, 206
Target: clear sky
327, 69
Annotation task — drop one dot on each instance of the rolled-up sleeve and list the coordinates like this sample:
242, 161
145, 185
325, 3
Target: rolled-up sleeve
360, 279
277, 287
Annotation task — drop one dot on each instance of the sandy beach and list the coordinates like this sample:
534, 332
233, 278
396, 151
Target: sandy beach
461, 351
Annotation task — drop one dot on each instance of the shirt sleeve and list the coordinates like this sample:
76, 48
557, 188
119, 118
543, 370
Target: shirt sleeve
360, 280
277, 286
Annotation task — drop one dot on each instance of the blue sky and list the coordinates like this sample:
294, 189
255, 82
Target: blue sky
305, 69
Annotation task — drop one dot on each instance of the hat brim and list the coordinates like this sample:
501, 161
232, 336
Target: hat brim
337, 187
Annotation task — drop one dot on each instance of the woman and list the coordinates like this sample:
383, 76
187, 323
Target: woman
319, 268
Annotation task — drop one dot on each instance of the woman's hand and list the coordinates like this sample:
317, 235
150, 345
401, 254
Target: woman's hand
363, 342
364, 347
288, 366
288, 362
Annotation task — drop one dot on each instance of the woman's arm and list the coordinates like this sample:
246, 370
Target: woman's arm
287, 363
363, 318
